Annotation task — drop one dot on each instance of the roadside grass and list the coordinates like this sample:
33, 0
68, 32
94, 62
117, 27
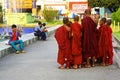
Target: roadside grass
30, 25
117, 34
116, 31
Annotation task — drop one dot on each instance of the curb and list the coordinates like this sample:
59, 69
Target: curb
116, 54
117, 58
118, 41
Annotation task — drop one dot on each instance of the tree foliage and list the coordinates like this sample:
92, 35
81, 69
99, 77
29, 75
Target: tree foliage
49, 14
116, 16
112, 5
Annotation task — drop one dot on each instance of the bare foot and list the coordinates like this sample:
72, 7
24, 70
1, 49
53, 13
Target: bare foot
67, 67
61, 67
75, 67
93, 65
103, 64
80, 66
87, 66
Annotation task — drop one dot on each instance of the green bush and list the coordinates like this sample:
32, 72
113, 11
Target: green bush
50, 14
116, 16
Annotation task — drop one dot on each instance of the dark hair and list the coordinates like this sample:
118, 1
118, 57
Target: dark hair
65, 20
104, 20
76, 18
44, 24
109, 21
14, 26
39, 22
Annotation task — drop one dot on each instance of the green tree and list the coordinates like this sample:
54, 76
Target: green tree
116, 16
1, 15
112, 5
50, 14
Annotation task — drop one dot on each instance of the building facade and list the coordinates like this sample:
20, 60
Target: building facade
71, 6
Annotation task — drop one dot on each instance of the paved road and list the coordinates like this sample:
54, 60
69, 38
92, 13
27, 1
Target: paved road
39, 63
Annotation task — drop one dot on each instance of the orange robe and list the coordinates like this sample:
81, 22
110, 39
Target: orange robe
103, 42
76, 43
64, 45
110, 53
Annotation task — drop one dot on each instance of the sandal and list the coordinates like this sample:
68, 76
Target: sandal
17, 52
23, 52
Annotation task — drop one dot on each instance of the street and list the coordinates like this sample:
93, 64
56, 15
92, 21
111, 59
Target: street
39, 63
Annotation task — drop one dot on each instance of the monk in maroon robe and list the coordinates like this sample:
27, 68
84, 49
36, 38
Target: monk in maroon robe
103, 42
110, 53
64, 45
89, 44
76, 43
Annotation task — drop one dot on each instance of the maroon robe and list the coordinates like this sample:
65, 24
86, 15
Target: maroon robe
110, 53
89, 38
103, 42
76, 43
64, 45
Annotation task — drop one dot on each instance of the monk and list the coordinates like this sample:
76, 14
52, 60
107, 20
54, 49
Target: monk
76, 43
110, 53
64, 45
89, 39
103, 42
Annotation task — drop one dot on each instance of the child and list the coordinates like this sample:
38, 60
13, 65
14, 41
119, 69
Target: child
103, 42
14, 39
76, 43
64, 45
44, 29
110, 53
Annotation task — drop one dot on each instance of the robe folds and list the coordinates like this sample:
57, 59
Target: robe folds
110, 53
103, 43
64, 46
89, 38
76, 43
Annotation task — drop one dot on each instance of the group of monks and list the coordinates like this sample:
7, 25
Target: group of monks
83, 45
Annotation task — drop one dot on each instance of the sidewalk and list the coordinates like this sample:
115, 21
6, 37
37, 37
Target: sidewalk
27, 39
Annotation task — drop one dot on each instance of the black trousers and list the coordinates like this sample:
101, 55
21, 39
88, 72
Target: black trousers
40, 34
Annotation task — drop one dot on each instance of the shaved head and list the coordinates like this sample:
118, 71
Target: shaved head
88, 11
76, 18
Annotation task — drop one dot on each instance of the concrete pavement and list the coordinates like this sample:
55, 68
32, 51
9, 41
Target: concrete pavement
39, 63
